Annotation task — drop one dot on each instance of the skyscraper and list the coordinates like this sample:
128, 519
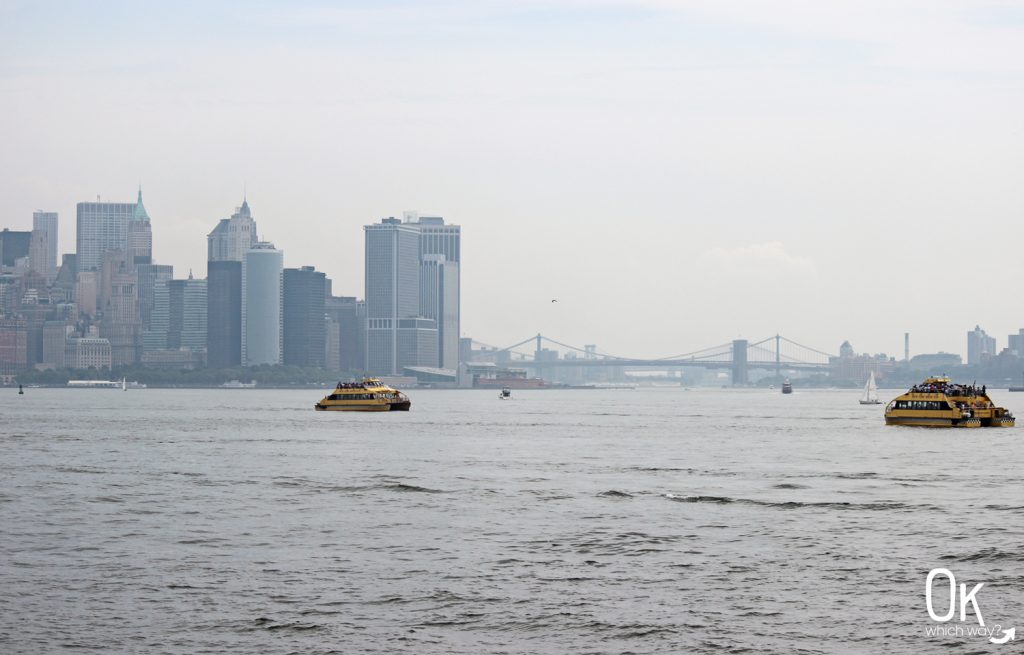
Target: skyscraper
440, 255
118, 304
38, 253
187, 314
392, 294
980, 346
139, 235
304, 324
13, 246
438, 239
412, 293
151, 294
261, 305
439, 300
1015, 342
154, 336
227, 245
55, 336
346, 333
224, 314
87, 288
101, 228
47, 223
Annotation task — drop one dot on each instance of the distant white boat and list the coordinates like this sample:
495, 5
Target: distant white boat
94, 384
870, 396
123, 384
238, 384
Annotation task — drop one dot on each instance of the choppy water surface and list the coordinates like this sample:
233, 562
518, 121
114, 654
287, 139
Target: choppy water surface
636, 521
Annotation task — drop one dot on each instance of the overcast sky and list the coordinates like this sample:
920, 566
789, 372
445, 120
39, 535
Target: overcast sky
676, 173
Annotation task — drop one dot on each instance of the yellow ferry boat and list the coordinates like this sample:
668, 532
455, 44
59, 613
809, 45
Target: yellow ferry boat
937, 402
370, 395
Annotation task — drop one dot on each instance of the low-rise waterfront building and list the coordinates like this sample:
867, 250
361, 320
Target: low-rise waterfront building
88, 352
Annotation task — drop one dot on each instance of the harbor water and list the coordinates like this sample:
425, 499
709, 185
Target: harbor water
575, 521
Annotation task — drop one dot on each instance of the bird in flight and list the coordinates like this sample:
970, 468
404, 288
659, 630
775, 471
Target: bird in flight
554, 300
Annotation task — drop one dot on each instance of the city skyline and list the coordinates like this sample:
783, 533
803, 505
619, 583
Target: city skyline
242, 212
717, 170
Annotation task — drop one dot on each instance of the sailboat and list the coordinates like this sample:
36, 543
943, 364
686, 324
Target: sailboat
124, 384
870, 396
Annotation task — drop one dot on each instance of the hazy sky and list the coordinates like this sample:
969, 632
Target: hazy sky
677, 173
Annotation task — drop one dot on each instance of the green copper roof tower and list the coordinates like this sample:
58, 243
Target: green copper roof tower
140, 209
140, 235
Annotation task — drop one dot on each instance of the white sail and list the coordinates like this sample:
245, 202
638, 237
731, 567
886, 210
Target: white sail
870, 390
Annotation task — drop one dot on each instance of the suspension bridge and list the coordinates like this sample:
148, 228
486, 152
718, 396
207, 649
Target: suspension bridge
740, 355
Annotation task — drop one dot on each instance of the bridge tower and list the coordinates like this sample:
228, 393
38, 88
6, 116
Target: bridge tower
538, 355
739, 362
778, 356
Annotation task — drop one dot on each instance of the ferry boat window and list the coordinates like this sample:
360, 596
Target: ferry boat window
922, 405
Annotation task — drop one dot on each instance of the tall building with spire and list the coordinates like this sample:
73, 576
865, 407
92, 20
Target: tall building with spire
233, 237
226, 248
139, 235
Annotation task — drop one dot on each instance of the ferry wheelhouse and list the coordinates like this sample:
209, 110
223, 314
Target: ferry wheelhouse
370, 395
937, 402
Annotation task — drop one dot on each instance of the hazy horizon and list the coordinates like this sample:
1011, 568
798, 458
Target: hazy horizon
676, 174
